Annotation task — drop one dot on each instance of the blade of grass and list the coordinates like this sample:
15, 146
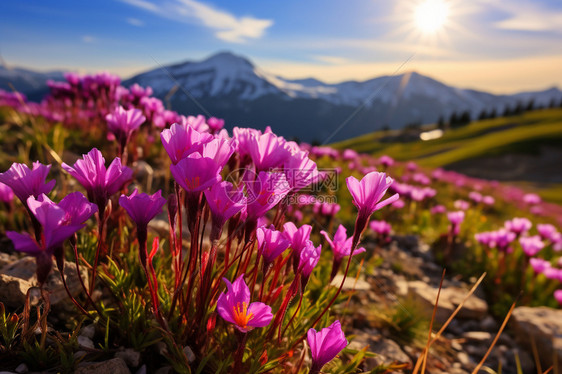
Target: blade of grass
496, 338
536, 354
426, 353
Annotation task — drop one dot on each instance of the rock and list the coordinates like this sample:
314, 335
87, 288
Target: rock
388, 351
142, 370
88, 331
482, 337
189, 353
20, 276
6, 259
85, 342
543, 326
22, 369
449, 299
130, 356
13, 290
350, 284
164, 370
489, 324
113, 366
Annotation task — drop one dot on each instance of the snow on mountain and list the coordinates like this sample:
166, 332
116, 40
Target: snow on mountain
26, 81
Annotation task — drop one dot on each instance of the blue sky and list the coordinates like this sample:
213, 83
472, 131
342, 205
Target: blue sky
501, 46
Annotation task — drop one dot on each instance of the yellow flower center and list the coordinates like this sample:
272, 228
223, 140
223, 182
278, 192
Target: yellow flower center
241, 316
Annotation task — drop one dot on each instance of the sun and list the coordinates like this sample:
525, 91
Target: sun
431, 15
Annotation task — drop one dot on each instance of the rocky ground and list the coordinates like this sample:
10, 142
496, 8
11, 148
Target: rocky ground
388, 312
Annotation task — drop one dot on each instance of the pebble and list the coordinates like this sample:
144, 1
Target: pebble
142, 370
131, 357
88, 331
85, 342
22, 368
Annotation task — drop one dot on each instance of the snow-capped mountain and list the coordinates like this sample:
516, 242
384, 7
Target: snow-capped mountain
30, 82
232, 87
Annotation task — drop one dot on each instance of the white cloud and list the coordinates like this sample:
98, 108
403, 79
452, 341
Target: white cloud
225, 25
529, 16
332, 60
88, 39
135, 22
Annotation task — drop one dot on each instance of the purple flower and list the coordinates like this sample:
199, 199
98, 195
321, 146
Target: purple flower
475, 196
325, 345
265, 192
196, 173
539, 265
224, 201
6, 193
219, 150
519, 226
271, 243
308, 260
558, 296
215, 123
59, 221
300, 170
386, 161
182, 140
488, 200
123, 122
341, 245
547, 232
368, 192
26, 182
438, 209
381, 228
268, 151
531, 199
234, 306
99, 182
531, 244
461, 204
298, 237
142, 208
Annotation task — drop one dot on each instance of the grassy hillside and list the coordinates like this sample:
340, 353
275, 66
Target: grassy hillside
524, 133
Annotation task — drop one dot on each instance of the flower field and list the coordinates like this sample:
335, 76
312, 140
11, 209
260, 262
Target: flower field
215, 251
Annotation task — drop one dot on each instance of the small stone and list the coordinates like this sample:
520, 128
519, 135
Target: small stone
479, 336
142, 370
13, 290
189, 354
456, 346
79, 354
85, 342
130, 356
22, 368
489, 324
113, 366
464, 358
88, 331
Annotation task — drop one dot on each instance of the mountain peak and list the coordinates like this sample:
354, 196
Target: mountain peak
229, 58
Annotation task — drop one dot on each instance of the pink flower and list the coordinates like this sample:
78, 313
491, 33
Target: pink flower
215, 124
196, 173
234, 306
519, 226
539, 265
122, 123
461, 204
99, 182
438, 209
268, 151
301, 171
6, 194
271, 243
26, 182
341, 245
142, 208
381, 228
558, 296
180, 141
298, 238
456, 219
308, 259
488, 200
325, 345
224, 201
219, 150
531, 244
531, 199
548, 232
475, 196
386, 161
265, 192
368, 192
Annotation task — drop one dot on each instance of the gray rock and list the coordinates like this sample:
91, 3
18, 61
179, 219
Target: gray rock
20, 276
6, 259
388, 351
543, 326
189, 353
113, 366
88, 331
22, 369
489, 324
449, 299
85, 342
130, 356
142, 370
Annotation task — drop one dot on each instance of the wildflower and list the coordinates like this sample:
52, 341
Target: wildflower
341, 245
59, 222
386, 161
519, 226
298, 238
268, 151
265, 192
325, 345
215, 124
122, 123
548, 232
26, 182
219, 150
461, 204
531, 244
196, 173
271, 243
488, 200
300, 171
100, 183
531, 199
456, 219
234, 306
539, 265
438, 209
180, 141
6, 193
224, 201
475, 196
558, 296
382, 229
308, 259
